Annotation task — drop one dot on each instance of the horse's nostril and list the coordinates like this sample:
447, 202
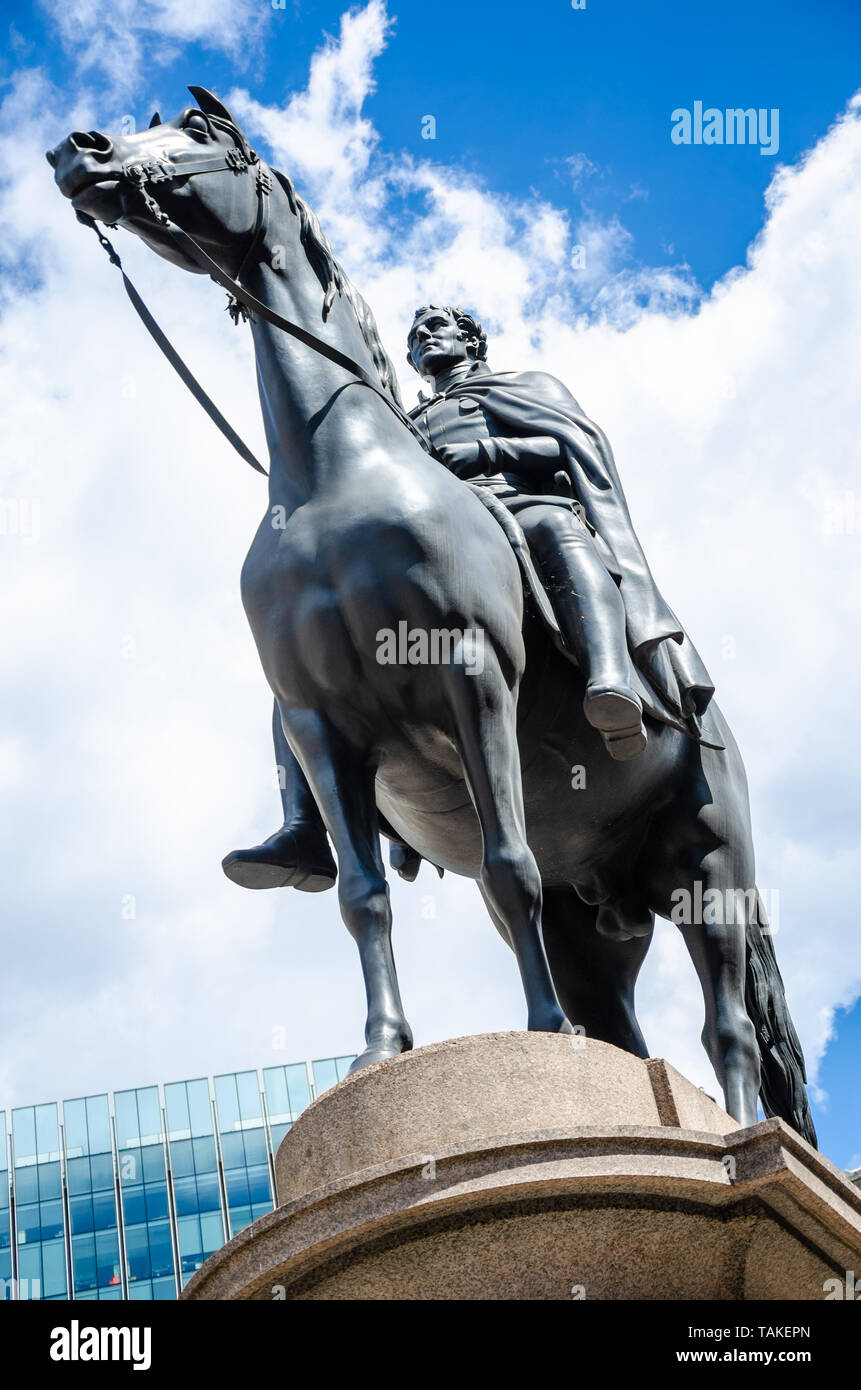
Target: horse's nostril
92, 140
51, 156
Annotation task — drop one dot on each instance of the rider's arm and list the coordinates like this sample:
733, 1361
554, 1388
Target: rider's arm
519, 455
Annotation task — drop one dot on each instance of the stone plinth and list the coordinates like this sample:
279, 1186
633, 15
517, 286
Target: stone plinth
533, 1166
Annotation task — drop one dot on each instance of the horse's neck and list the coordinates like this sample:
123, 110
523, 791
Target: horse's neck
300, 391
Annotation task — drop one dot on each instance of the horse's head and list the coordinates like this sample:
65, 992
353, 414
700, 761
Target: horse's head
131, 179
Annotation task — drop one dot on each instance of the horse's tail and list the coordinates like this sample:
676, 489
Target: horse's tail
517, 541
782, 1076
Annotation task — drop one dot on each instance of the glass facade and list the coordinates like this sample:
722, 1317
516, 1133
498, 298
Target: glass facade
124, 1196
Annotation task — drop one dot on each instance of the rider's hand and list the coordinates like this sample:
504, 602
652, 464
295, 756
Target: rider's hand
460, 458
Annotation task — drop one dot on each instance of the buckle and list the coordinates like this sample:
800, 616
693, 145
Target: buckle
161, 169
264, 180
235, 158
149, 171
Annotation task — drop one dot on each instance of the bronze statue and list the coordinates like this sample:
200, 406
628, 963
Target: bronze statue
365, 532
485, 427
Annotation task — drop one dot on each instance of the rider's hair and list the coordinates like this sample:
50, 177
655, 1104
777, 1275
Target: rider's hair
476, 338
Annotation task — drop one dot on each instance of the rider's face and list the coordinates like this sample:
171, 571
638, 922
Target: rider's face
436, 343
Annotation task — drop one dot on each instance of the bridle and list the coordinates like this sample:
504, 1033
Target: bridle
137, 177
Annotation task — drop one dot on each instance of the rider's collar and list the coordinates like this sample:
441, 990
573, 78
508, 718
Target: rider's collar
453, 377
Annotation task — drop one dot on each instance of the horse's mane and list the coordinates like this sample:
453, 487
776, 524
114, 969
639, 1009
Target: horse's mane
329, 272
334, 280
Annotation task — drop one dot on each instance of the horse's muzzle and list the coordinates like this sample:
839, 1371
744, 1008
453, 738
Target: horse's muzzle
83, 158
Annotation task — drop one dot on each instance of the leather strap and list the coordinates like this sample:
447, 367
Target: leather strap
173, 356
256, 306
156, 171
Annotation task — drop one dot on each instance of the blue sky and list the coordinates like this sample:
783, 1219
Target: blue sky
553, 127
518, 89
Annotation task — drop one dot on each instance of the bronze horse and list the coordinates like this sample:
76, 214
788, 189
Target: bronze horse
365, 531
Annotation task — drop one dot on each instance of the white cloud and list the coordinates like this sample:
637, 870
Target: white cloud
734, 419
121, 38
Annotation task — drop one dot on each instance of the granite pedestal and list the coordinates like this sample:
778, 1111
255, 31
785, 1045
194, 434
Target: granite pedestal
535, 1166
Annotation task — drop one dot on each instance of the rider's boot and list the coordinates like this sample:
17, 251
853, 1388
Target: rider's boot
297, 855
591, 616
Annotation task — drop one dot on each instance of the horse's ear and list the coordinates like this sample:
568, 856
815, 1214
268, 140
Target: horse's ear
210, 105
156, 120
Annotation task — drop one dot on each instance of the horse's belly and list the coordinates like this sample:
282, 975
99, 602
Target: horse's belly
429, 805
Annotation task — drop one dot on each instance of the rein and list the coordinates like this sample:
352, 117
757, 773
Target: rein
242, 302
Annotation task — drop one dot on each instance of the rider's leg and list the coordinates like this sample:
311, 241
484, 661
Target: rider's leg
297, 855
591, 616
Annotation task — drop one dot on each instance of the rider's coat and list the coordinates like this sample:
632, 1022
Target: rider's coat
530, 427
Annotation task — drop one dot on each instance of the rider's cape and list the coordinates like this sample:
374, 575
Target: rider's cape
532, 403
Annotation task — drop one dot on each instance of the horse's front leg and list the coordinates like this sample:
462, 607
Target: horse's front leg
342, 780
484, 708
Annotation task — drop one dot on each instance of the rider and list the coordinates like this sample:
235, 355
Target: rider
523, 436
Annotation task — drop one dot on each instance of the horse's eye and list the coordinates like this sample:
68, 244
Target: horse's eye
197, 122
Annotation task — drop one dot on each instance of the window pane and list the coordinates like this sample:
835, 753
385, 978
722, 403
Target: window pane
102, 1172
53, 1269
75, 1118
81, 1209
325, 1075
207, 1192
84, 1262
27, 1184
182, 1157
176, 1102
107, 1258
199, 1108
156, 1202
149, 1113
29, 1226
185, 1193
78, 1174
161, 1254
104, 1211
126, 1111
98, 1124
204, 1155
133, 1205
249, 1095
255, 1146
233, 1150
153, 1163
227, 1102
47, 1130
24, 1133
49, 1181
137, 1252
211, 1232
51, 1220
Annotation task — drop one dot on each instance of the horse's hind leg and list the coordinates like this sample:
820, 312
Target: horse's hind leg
594, 974
484, 711
712, 901
342, 780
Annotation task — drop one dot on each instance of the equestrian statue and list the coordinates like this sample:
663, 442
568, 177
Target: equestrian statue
565, 750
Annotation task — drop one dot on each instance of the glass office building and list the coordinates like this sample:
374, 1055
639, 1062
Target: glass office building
124, 1195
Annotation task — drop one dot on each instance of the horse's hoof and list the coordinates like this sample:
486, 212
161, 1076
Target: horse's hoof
381, 1053
290, 858
556, 1022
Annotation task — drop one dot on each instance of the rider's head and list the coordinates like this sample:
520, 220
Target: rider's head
443, 336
